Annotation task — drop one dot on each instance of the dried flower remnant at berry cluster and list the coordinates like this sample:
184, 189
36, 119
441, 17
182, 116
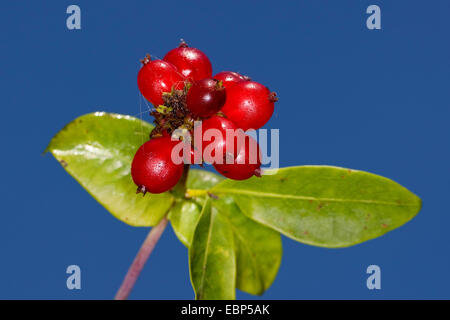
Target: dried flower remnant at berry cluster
183, 90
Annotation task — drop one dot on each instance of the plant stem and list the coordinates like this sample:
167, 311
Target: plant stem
195, 193
140, 259
149, 244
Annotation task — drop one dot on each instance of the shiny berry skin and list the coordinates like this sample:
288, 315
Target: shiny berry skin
191, 62
246, 161
249, 105
157, 77
212, 141
152, 168
205, 97
230, 78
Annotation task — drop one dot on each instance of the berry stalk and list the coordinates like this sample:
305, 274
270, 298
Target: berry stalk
191, 193
149, 244
140, 259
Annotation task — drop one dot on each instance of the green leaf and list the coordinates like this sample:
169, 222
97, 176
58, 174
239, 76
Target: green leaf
185, 215
202, 179
229, 250
212, 261
97, 150
324, 206
258, 248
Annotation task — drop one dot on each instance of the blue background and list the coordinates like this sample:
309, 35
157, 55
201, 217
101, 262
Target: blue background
371, 100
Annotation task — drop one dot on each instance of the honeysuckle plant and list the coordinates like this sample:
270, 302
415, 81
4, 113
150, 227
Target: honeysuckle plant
232, 229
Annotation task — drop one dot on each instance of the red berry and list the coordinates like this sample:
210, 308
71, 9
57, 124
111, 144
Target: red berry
214, 141
230, 78
191, 62
205, 97
157, 77
218, 122
249, 105
245, 160
152, 168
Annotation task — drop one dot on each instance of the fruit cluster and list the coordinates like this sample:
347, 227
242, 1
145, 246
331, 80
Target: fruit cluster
183, 91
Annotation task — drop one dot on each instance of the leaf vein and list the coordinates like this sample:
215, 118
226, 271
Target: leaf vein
250, 253
308, 198
205, 259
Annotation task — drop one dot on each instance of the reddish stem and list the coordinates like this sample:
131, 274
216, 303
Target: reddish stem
140, 259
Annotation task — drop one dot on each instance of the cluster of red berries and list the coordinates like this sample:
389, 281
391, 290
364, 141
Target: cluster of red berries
182, 90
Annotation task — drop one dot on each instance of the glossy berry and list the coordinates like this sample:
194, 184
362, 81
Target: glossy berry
249, 105
230, 78
205, 97
152, 168
245, 161
157, 77
191, 62
214, 133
